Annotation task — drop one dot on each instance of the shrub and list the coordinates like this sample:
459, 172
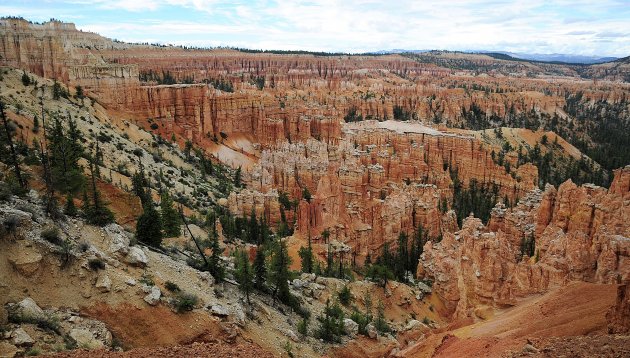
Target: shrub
185, 302
171, 286
83, 246
426, 320
303, 327
345, 296
52, 235
96, 264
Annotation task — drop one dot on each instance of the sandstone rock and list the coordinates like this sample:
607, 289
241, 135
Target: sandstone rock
137, 257
350, 327
289, 333
131, 282
27, 262
219, 310
119, 242
414, 324
103, 282
27, 308
297, 283
579, 234
619, 315
85, 339
371, 330
20, 338
8, 350
528, 348
206, 277
153, 298
238, 314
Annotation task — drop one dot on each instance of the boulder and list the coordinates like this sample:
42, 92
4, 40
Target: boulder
413, 324
131, 282
350, 327
153, 297
21, 339
27, 262
371, 330
207, 277
292, 336
118, 240
297, 283
103, 282
424, 288
219, 310
137, 257
85, 339
27, 308
239, 315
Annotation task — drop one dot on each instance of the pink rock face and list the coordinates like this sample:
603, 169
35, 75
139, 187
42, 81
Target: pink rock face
581, 233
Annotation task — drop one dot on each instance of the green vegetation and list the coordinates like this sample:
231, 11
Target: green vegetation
330, 323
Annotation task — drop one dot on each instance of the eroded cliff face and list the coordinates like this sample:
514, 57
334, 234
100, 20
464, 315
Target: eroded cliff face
378, 180
580, 233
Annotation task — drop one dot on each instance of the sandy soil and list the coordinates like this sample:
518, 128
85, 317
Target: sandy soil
193, 350
576, 309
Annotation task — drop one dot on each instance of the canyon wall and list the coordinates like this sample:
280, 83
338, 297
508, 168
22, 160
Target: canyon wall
580, 233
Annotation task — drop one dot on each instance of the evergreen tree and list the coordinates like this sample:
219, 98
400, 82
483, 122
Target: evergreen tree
253, 230
26, 80
97, 212
380, 323
331, 323
237, 178
260, 270
65, 150
280, 274
306, 255
244, 273
216, 268
8, 131
70, 209
149, 227
171, 220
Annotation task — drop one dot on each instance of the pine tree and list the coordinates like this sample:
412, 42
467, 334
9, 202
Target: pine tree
171, 221
244, 273
65, 150
13, 153
216, 268
306, 255
149, 227
280, 274
331, 323
70, 209
26, 80
260, 270
380, 324
97, 212
237, 178
253, 231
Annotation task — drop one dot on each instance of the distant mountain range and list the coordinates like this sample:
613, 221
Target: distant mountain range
553, 57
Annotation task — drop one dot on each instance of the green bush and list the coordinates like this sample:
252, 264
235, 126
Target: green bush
171, 286
345, 296
96, 264
52, 235
185, 302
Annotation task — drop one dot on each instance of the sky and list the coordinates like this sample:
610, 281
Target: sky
579, 27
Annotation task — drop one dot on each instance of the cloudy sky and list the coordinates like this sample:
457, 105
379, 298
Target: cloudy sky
597, 27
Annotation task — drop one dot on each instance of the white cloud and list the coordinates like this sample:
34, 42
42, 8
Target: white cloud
573, 26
